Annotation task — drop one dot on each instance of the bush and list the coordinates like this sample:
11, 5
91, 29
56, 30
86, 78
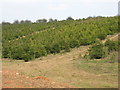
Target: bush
16, 53
102, 36
67, 48
48, 49
74, 43
5, 52
112, 45
41, 52
22, 53
55, 48
85, 41
97, 51
26, 57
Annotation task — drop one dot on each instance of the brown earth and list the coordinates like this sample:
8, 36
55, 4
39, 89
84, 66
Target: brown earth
12, 79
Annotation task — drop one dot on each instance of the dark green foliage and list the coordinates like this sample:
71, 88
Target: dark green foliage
39, 51
48, 49
74, 43
102, 36
70, 18
97, 51
6, 52
41, 21
6, 23
85, 41
22, 53
67, 48
112, 45
16, 22
55, 48
27, 41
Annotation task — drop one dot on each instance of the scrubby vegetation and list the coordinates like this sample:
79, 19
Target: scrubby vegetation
99, 50
27, 41
112, 45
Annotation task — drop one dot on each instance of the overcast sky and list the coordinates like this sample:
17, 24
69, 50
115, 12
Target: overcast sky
57, 9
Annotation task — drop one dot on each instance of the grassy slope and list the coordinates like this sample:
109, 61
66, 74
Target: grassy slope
70, 69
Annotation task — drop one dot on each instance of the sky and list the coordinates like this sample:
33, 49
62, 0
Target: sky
11, 10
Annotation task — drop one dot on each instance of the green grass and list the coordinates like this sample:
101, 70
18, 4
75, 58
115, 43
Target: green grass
98, 66
105, 73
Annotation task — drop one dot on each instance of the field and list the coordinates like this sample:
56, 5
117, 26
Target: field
54, 55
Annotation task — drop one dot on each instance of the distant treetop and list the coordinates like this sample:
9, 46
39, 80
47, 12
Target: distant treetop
69, 18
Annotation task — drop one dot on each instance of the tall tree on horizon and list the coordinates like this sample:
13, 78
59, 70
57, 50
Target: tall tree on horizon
16, 22
69, 18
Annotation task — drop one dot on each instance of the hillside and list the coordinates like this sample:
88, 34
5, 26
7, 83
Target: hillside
30, 41
61, 54
62, 71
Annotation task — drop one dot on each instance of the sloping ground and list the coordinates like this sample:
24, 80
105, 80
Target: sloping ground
52, 66
59, 69
11, 79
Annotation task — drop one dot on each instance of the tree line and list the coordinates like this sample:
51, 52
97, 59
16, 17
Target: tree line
41, 20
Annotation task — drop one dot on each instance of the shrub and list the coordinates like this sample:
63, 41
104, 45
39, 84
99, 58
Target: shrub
6, 52
85, 41
22, 53
48, 49
17, 53
26, 57
55, 48
41, 52
74, 43
67, 48
102, 36
112, 45
97, 51
64, 46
